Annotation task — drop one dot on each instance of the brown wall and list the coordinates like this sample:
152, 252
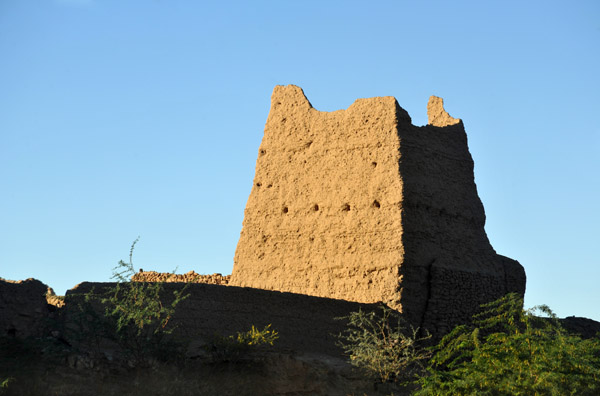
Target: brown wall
323, 217
360, 204
449, 266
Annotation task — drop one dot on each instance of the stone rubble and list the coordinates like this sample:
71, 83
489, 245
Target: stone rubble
188, 277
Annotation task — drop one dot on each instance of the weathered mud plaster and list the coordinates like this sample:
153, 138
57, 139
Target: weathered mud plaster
361, 205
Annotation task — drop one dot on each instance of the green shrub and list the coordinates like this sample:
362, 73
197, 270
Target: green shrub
4, 383
383, 346
134, 315
234, 348
509, 351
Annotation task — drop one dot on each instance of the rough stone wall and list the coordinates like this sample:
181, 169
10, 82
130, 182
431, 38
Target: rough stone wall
361, 205
23, 308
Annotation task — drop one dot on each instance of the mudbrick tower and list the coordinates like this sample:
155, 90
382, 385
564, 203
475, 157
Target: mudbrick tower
360, 204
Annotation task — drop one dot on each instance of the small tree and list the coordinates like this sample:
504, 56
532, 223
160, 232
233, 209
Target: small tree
509, 351
383, 346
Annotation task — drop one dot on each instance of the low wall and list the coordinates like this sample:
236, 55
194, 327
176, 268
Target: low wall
304, 323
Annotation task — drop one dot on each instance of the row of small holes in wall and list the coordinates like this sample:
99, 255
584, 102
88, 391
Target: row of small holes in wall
307, 145
259, 184
345, 207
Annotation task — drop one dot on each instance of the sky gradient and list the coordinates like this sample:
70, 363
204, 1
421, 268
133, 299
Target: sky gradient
127, 118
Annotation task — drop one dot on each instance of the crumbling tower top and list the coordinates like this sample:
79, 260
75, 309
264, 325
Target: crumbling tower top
437, 115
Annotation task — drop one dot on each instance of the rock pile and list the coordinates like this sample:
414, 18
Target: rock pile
189, 277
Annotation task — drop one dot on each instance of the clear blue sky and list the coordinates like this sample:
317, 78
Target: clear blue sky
127, 118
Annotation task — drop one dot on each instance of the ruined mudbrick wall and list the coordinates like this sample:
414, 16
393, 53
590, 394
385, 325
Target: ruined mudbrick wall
361, 205
304, 323
24, 308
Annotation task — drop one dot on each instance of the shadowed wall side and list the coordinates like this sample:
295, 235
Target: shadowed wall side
450, 268
304, 323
